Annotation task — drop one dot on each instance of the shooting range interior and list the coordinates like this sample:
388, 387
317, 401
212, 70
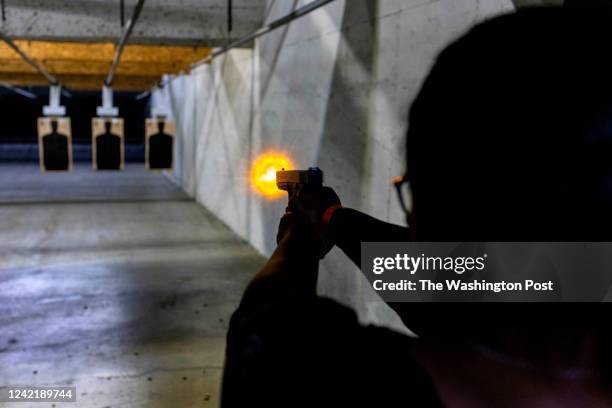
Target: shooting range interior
138, 154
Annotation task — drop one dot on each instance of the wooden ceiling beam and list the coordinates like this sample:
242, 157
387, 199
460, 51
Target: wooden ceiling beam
83, 82
42, 50
84, 66
94, 67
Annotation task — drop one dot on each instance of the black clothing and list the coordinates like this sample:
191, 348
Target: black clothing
55, 151
309, 351
313, 353
108, 152
160, 151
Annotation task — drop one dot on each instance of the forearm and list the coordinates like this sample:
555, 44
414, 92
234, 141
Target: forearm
290, 272
348, 228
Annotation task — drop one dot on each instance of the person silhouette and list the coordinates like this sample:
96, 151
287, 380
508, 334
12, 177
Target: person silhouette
509, 141
160, 148
55, 149
108, 149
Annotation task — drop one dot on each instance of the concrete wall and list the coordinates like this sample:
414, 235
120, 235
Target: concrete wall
332, 89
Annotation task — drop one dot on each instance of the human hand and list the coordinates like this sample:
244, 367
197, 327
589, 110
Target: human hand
314, 202
296, 231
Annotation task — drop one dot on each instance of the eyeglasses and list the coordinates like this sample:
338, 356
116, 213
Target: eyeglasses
403, 191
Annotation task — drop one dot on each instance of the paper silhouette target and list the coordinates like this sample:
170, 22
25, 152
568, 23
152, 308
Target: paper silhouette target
107, 143
54, 144
159, 145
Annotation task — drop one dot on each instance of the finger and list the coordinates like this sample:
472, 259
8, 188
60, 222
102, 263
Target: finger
329, 196
284, 225
294, 199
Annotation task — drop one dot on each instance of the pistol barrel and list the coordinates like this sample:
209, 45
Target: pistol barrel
288, 180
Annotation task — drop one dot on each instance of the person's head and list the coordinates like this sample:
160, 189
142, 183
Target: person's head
510, 139
161, 125
54, 125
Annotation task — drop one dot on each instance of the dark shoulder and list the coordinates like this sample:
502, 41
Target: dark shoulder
318, 349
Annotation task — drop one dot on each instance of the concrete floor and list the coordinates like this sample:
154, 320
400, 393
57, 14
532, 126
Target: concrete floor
116, 283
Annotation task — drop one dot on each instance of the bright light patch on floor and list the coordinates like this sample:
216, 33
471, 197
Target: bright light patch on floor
263, 173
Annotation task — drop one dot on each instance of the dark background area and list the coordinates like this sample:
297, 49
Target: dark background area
19, 115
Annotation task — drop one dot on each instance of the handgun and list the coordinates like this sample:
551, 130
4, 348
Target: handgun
290, 180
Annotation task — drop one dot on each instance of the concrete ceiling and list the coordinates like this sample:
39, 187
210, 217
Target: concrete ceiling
75, 39
173, 22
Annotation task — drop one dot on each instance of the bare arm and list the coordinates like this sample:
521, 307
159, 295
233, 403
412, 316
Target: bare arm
348, 228
292, 269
